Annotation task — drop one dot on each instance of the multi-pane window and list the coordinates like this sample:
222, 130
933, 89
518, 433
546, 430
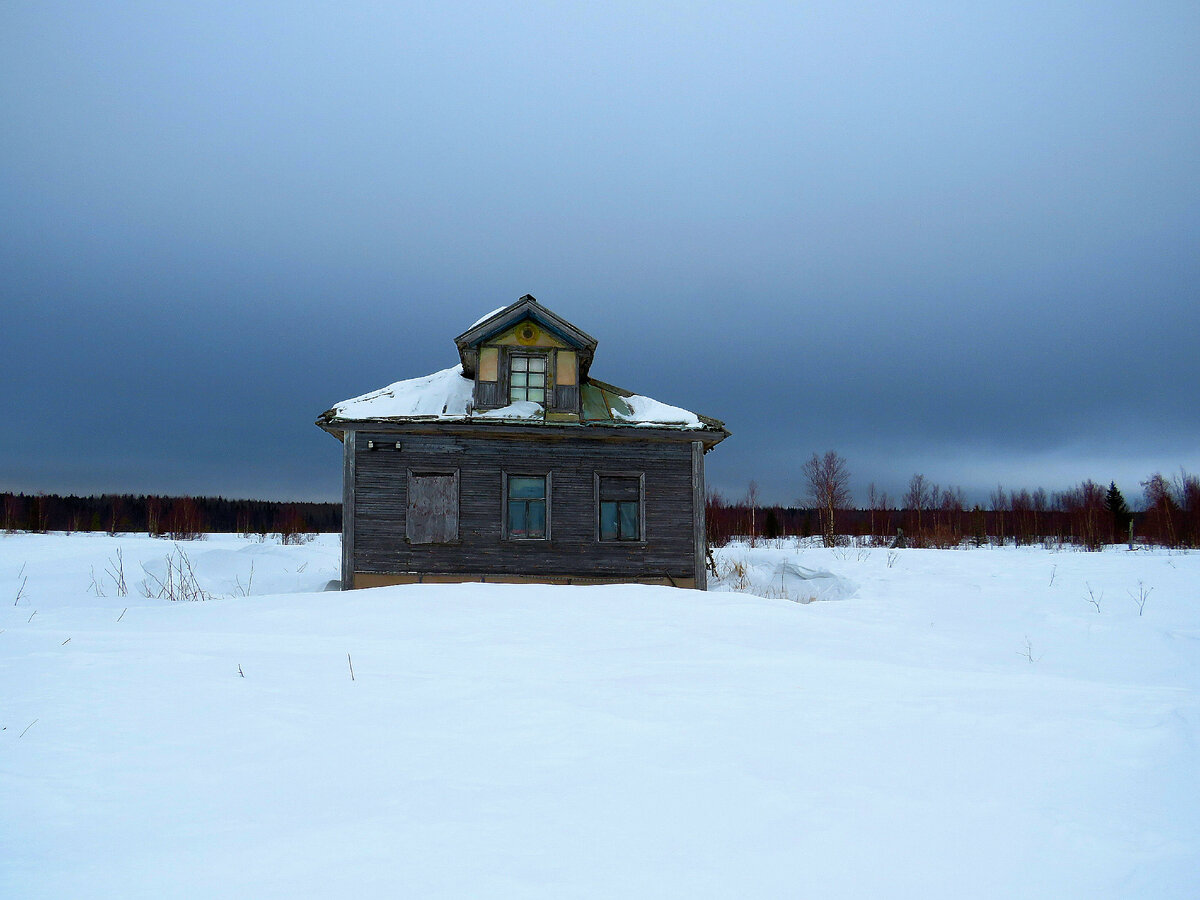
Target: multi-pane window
527, 379
525, 507
620, 507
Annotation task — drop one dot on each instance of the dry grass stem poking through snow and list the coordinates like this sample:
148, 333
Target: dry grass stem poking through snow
116, 571
1140, 598
179, 582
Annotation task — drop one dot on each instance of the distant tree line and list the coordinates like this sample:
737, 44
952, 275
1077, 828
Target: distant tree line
176, 517
1087, 515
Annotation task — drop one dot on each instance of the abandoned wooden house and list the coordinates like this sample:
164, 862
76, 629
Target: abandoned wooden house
516, 465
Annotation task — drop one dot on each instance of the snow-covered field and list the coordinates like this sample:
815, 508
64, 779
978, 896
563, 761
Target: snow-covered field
957, 724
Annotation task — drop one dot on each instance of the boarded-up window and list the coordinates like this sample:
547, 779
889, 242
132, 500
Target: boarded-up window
432, 516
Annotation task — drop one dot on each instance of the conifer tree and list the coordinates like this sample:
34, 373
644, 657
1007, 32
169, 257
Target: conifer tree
1114, 502
771, 527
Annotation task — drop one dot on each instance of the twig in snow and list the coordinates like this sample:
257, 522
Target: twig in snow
1028, 652
1141, 596
122, 615
245, 591
64, 643
240, 672
1053, 572
31, 615
27, 727
349, 660
21, 590
117, 574
1091, 597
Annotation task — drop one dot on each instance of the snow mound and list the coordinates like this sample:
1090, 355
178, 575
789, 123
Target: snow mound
806, 585
521, 409
648, 411
444, 394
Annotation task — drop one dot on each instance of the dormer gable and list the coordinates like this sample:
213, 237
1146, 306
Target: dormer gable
525, 352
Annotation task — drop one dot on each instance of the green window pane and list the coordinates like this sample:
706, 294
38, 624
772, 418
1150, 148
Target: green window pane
629, 521
524, 487
519, 379
537, 379
537, 395
610, 523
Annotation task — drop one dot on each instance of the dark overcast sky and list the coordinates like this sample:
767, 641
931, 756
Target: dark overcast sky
955, 238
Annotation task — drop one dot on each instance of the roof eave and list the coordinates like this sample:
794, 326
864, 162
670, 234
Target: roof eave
710, 436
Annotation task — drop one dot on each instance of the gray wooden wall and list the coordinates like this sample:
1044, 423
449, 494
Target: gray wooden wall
380, 487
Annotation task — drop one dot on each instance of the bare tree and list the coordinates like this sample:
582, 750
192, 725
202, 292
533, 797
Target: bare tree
951, 505
1040, 505
828, 482
752, 503
1160, 508
1187, 492
917, 499
999, 500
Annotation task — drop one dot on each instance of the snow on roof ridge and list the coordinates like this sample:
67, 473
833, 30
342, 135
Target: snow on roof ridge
483, 319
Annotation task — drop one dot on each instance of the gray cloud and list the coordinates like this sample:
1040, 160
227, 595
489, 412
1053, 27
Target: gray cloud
957, 241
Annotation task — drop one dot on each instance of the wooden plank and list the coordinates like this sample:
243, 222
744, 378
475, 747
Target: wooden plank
698, 518
432, 513
348, 524
381, 503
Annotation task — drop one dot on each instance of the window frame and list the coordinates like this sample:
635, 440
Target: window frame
418, 472
504, 476
547, 376
641, 477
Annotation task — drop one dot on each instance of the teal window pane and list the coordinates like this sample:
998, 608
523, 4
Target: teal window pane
518, 379
520, 364
629, 521
610, 522
537, 364
516, 519
537, 395
524, 487
535, 518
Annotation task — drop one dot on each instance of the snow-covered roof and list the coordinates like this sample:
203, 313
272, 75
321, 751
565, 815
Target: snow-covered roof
446, 396
486, 316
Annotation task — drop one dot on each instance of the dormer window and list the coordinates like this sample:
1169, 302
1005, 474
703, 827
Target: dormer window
527, 378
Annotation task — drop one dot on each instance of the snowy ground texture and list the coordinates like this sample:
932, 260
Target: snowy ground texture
938, 724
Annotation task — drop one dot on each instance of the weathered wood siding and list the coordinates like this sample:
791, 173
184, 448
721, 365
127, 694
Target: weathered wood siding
380, 503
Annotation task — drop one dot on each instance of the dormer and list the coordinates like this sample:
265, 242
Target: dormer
524, 352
